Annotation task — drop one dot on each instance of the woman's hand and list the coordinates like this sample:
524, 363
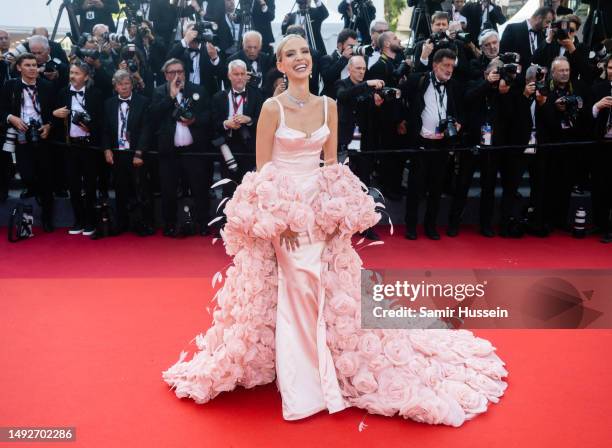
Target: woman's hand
290, 239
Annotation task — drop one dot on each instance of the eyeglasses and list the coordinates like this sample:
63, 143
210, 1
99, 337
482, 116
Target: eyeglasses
380, 31
175, 72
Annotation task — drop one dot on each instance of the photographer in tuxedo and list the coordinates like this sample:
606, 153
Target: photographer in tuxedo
566, 116
262, 16
488, 41
125, 140
26, 105
234, 113
334, 66
526, 37
434, 117
601, 159
563, 41
180, 117
201, 59
358, 103
257, 61
357, 15
79, 109
317, 15
490, 108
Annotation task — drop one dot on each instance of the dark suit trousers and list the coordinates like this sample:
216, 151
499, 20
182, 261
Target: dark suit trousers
427, 173
601, 196
81, 165
34, 165
196, 170
130, 189
6, 170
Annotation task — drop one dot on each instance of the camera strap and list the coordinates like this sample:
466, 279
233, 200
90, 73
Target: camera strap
440, 92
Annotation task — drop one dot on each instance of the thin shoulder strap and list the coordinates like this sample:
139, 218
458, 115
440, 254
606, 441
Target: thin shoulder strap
282, 111
325, 107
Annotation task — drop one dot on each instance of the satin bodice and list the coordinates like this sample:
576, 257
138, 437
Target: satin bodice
296, 153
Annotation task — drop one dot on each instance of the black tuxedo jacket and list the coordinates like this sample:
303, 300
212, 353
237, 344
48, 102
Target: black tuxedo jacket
137, 125
93, 103
473, 13
331, 66
599, 91
210, 75
579, 59
516, 39
414, 91
164, 126
251, 108
262, 22
11, 99
103, 15
360, 24
317, 16
354, 103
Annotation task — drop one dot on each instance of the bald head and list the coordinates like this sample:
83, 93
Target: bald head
357, 69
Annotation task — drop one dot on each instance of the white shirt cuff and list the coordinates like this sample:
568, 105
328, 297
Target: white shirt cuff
184, 43
264, 9
595, 111
318, 3
215, 61
424, 61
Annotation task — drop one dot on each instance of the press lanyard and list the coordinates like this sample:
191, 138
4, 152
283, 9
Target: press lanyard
440, 92
237, 103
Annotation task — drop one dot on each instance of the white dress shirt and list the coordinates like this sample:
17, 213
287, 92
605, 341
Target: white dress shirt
194, 75
430, 116
122, 132
28, 109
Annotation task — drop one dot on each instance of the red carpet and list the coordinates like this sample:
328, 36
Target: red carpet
86, 327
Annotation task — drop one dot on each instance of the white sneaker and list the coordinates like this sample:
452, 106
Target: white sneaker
75, 230
89, 230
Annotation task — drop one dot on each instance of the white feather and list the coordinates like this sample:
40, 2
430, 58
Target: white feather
221, 182
217, 219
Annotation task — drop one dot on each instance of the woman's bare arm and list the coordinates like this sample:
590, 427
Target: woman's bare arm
330, 148
266, 127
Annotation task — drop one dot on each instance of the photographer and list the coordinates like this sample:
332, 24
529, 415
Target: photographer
317, 15
258, 62
601, 158
390, 129
562, 41
235, 112
488, 41
56, 50
435, 116
262, 16
526, 37
26, 104
125, 140
53, 70
153, 51
79, 112
334, 66
180, 116
490, 107
101, 72
132, 60
96, 11
378, 27
358, 104
482, 15
566, 118
200, 57
455, 12
357, 15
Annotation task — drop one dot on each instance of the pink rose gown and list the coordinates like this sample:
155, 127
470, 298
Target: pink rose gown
309, 299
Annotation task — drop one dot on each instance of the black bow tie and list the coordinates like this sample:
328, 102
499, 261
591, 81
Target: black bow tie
194, 50
532, 31
243, 93
121, 100
29, 87
79, 93
437, 84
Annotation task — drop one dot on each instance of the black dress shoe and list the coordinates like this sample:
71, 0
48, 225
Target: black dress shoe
487, 232
411, 234
48, 226
452, 231
607, 238
371, 235
432, 234
170, 231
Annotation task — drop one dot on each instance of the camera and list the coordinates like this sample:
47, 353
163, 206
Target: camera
130, 56
509, 67
206, 31
389, 93
183, 111
32, 135
560, 29
463, 37
449, 127
363, 50
256, 78
226, 152
19, 49
82, 53
573, 104
82, 119
440, 40
115, 37
540, 82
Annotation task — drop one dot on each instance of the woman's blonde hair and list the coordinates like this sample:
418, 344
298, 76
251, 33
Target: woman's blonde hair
283, 42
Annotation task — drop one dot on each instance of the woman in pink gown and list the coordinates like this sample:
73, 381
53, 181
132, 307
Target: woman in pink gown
289, 308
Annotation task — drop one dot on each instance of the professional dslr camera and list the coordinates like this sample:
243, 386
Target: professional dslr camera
440, 40
206, 31
560, 29
32, 135
540, 82
183, 111
389, 93
448, 125
82, 119
509, 67
573, 105
256, 78
363, 50
130, 58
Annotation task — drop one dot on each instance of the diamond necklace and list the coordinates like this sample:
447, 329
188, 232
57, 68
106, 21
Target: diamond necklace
297, 101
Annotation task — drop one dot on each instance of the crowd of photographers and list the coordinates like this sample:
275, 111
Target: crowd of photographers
180, 88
